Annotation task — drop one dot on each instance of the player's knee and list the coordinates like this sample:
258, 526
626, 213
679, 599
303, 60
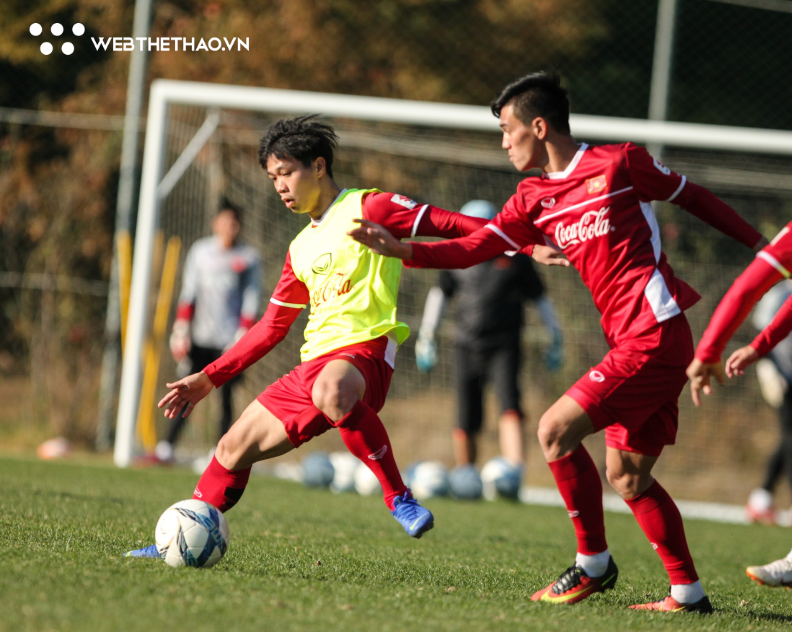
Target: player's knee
332, 399
626, 484
227, 451
548, 433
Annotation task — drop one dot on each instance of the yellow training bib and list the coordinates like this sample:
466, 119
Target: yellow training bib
353, 291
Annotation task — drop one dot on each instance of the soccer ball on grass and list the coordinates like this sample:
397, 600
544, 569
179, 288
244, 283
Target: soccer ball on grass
192, 533
501, 478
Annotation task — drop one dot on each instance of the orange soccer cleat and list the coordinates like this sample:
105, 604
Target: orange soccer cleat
669, 604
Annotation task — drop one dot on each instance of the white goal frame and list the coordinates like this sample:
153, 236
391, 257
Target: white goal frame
154, 188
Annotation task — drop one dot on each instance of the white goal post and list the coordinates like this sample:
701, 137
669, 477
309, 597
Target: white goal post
155, 185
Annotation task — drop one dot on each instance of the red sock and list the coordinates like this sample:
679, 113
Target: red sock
581, 488
221, 487
658, 516
365, 437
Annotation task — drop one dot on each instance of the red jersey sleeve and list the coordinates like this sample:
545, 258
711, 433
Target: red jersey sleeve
290, 291
510, 231
654, 181
779, 255
776, 331
651, 179
772, 263
289, 297
404, 217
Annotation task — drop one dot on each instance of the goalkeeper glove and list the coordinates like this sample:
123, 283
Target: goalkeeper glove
425, 354
554, 354
180, 340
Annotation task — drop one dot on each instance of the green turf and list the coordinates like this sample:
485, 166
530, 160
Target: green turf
310, 560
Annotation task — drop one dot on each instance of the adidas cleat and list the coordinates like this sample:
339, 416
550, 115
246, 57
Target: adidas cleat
150, 552
574, 585
415, 519
778, 573
669, 604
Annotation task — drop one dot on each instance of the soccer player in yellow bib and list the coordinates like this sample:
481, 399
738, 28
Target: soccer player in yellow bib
352, 333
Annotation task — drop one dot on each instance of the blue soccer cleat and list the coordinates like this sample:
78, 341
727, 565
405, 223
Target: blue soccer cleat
415, 519
150, 552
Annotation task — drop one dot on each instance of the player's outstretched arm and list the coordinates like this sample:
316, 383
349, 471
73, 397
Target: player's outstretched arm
380, 240
746, 290
654, 181
185, 394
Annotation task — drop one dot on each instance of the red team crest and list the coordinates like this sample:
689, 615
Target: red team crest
595, 185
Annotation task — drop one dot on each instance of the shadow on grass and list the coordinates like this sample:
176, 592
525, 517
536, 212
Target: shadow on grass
73, 496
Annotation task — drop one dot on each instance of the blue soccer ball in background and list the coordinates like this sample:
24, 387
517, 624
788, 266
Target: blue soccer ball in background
465, 482
317, 470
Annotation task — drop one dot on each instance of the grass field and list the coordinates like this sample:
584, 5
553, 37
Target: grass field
309, 560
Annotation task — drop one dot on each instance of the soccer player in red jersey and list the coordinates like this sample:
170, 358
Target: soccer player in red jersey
351, 337
593, 205
772, 264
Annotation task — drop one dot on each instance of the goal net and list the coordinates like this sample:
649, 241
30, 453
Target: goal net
207, 137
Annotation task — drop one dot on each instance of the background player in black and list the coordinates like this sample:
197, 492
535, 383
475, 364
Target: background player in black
490, 299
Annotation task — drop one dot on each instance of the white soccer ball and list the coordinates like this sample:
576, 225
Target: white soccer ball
192, 533
366, 484
428, 479
344, 467
501, 478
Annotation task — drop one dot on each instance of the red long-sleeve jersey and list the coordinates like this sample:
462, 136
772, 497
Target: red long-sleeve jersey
772, 264
400, 215
597, 212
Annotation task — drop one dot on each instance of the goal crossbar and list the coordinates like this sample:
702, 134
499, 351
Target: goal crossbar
449, 116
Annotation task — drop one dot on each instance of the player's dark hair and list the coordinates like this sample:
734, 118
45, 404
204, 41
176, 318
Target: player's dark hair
536, 95
228, 205
302, 138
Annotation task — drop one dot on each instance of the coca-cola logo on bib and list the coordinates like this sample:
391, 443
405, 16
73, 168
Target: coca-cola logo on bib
590, 225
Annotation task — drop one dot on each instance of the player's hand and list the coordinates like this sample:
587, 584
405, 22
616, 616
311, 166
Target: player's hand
549, 256
180, 340
425, 354
741, 360
380, 240
185, 394
699, 374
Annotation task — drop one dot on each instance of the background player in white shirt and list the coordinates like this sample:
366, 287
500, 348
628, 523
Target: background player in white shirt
219, 301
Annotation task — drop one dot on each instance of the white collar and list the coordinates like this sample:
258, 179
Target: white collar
316, 222
560, 175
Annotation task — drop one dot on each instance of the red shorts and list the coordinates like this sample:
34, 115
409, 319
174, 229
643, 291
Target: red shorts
633, 392
291, 395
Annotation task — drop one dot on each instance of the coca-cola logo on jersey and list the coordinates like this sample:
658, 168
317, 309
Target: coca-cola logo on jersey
338, 284
590, 225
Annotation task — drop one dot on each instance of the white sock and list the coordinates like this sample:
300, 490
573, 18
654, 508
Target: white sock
687, 593
760, 499
594, 565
